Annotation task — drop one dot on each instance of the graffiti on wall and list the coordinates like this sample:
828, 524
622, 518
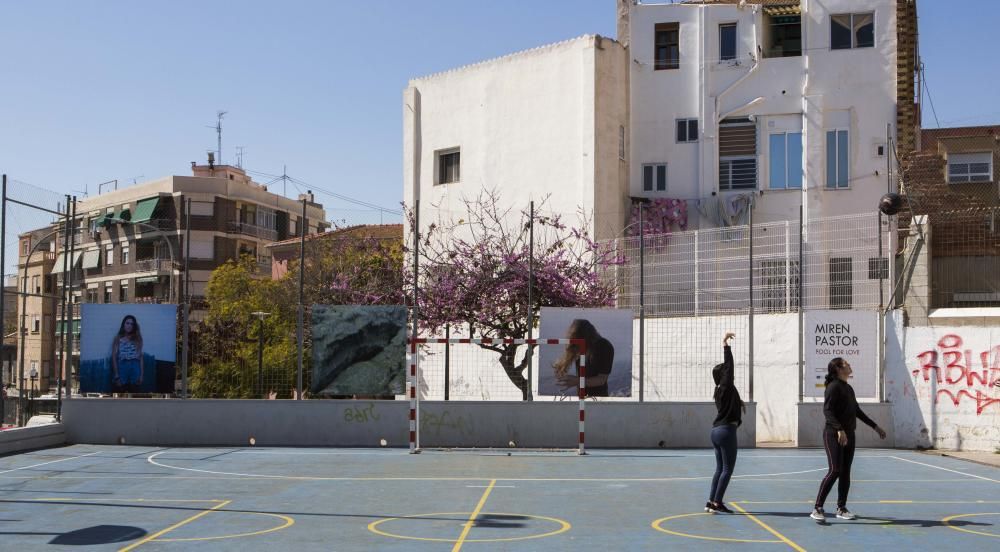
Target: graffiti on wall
962, 374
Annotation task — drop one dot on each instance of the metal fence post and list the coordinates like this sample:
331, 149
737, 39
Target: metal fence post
788, 268
750, 337
186, 304
801, 306
881, 315
531, 304
642, 305
300, 322
447, 361
3, 284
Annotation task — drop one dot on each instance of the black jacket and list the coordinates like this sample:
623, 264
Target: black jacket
841, 409
727, 397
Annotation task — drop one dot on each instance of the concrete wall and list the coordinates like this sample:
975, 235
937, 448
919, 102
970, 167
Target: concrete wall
812, 421
942, 381
31, 438
364, 423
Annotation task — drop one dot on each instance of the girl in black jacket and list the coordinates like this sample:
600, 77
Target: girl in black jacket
842, 413
730, 408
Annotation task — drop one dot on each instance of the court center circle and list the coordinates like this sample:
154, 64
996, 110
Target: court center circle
563, 527
658, 525
286, 522
947, 522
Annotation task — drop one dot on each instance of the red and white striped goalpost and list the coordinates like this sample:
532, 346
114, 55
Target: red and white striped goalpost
413, 361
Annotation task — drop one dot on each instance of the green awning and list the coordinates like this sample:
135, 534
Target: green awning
124, 214
147, 279
105, 220
92, 258
144, 209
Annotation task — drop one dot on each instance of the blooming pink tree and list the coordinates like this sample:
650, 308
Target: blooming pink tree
474, 275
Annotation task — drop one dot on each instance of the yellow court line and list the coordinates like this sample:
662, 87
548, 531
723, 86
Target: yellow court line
947, 522
783, 538
472, 518
658, 525
288, 522
174, 526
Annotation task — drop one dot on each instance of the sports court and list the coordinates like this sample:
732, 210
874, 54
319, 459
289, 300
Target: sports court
147, 498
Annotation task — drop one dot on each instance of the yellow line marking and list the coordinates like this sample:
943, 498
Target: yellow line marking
174, 526
783, 538
657, 525
288, 523
472, 518
120, 500
563, 527
947, 522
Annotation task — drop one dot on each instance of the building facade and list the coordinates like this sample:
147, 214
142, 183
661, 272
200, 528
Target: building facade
711, 105
129, 246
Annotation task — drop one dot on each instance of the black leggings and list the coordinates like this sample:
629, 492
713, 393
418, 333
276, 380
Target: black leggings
839, 457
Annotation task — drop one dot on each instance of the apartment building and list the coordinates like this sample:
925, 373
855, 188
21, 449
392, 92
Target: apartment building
718, 104
130, 246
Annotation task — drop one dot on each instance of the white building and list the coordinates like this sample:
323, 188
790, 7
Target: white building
778, 102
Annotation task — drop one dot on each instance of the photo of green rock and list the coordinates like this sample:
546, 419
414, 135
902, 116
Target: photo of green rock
358, 350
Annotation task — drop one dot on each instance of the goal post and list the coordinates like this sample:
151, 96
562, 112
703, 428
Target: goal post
413, 371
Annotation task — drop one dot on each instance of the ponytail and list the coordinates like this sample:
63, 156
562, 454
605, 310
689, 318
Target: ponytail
832, 370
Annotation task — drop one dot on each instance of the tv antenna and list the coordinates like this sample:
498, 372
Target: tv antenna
239, 156
218, 131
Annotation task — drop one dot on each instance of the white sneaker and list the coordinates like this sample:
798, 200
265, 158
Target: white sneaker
844, 513
818, 514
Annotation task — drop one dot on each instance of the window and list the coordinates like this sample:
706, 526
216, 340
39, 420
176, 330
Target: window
727, 42
786, 161
448, 166
36, 283
783, 36
125, 254
852, 30
202, 209
667, 51
836, 159
109, 255
36, 323
25, 247
108, 292
654, 177
776, 282
737, 154
878, 268
92, 293
970, 167
203, 248
621, 142
267, 218
123, 291
687, 130
841, 283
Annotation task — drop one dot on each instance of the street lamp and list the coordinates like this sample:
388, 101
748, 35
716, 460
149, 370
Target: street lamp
260, 350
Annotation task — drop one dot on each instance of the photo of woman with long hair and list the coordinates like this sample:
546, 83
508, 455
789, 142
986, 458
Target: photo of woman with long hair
126, 357
600, 357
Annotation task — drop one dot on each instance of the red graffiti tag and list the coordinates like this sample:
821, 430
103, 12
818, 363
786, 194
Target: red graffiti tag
959, 373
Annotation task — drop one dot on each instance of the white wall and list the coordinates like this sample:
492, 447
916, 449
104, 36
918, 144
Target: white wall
953, 406
526, 125
819, 87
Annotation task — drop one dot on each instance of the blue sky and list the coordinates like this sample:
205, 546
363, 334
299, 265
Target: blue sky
98, 90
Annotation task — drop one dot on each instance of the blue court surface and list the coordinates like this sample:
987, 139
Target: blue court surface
145, 498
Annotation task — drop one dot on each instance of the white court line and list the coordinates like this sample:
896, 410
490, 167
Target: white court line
50, 462
151, 460
240, 478
947, 469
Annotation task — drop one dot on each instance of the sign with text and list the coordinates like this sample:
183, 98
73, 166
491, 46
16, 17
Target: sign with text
851, 335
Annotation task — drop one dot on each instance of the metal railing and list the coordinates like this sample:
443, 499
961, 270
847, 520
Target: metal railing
252, 230
153, 265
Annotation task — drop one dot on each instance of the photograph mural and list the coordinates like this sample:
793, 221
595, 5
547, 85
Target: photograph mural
128, 348
608, 333
851, 335
358, 350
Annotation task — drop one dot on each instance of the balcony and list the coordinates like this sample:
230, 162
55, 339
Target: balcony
152, 266
247, 229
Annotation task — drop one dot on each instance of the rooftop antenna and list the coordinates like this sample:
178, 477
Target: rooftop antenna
218, 131
239, 156
136, 178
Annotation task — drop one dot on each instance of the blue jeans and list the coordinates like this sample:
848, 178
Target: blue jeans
724, 441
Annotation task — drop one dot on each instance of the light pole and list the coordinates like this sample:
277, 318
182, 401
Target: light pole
260, 350
642, 294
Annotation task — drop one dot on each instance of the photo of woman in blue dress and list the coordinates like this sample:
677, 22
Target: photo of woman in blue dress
126, 357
